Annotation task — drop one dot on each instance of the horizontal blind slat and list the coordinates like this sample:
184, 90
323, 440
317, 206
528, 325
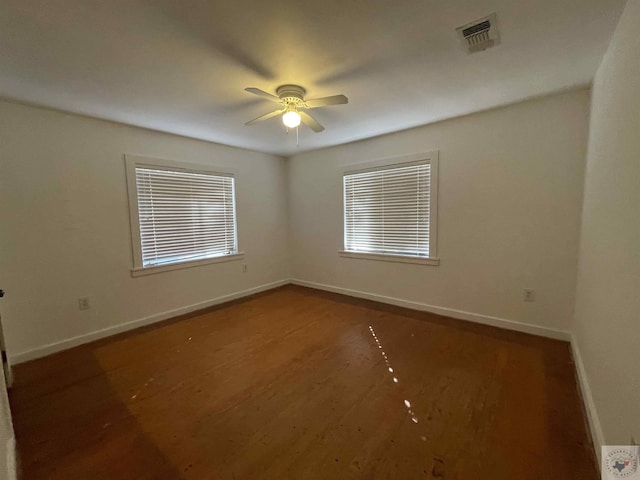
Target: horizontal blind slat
185, 215
387, 210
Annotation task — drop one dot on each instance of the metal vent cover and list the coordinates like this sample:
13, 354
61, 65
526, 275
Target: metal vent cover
480, 34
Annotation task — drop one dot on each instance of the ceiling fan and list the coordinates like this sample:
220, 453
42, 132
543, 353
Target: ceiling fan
293, 106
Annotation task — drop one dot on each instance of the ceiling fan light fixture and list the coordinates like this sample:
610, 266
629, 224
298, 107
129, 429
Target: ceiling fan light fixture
293, 106
291, 119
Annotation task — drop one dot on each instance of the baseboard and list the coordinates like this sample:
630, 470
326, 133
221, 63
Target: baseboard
141, 322
448, 312
592, 415
597, 437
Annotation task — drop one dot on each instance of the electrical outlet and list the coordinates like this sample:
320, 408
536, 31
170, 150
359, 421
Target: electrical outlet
245, 268
83, 303
529, 295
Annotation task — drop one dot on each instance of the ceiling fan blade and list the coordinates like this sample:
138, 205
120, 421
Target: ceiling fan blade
262, 93
324, 101
310, 122
266, 116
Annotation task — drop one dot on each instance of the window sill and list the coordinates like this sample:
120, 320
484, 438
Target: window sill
390, 258
137, 272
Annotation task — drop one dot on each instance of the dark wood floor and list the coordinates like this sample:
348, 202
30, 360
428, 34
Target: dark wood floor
299, 384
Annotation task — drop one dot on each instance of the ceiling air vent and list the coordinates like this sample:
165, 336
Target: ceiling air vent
479, 35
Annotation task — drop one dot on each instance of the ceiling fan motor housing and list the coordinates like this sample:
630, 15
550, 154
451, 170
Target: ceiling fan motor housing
291, 94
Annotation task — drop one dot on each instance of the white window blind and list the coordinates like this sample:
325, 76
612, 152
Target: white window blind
184, 215
387, 210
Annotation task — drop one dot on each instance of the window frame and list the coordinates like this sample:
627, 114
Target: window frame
134, 161
430, 158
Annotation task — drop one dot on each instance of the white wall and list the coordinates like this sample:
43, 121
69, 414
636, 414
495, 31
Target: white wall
510, 199
510, 195
607, 318
66, 234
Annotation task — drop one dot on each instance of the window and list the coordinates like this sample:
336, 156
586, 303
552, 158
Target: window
390, 210
181, 215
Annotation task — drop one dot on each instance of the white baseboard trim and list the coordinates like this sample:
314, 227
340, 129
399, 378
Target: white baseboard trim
141, 322
448, 312
597, 437
592, 414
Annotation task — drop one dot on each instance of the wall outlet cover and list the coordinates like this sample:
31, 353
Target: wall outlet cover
83, 303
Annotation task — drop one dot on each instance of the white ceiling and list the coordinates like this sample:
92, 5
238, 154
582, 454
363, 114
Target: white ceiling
181, 66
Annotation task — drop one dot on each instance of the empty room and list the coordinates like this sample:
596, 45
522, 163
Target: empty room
246, 240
